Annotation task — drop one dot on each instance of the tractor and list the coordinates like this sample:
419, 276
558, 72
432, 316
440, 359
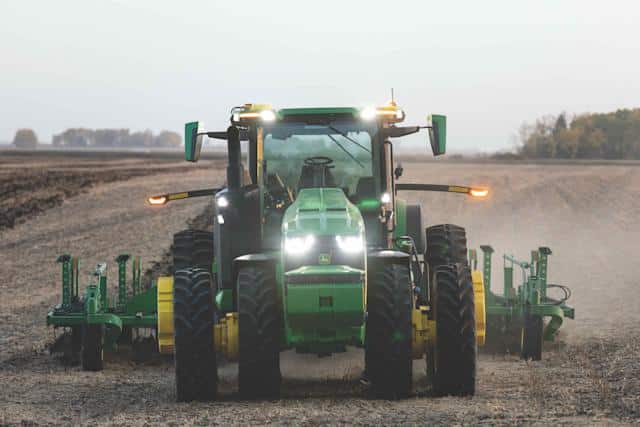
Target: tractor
313, 250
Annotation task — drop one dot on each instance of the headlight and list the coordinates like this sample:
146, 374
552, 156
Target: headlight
222, 202
268, 115
350, 244
298, 245
368, 113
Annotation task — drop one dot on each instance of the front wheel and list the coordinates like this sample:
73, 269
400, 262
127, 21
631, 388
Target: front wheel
195, 357
260, 329
388, 357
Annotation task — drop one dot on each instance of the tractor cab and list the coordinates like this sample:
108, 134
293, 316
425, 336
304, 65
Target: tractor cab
293, 149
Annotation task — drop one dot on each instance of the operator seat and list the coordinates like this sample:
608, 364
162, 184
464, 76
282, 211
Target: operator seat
365, 188
316, 176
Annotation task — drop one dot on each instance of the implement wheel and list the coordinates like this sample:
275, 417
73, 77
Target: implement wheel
192, 249
195, 357
388, 357
260, 330
532, 337
455, 349
92, 354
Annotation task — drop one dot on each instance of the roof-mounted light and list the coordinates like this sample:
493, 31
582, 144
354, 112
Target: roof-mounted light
252, 112
389, 113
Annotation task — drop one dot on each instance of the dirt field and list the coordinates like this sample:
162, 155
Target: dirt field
587, 214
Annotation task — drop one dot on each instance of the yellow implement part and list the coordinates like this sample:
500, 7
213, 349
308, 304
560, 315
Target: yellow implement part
165, 314
424, 331
225, 333
481, 315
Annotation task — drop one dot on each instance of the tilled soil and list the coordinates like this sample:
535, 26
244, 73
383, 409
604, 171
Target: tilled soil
27, 191
586, 214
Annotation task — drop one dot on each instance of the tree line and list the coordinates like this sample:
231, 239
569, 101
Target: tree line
588, 136
116, 138
102, 138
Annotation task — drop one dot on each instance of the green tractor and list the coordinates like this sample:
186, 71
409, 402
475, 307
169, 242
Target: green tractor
313, 250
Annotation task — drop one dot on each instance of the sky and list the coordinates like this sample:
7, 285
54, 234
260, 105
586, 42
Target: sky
150, 64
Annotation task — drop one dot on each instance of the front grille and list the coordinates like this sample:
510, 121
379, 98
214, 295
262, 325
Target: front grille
325, 251
315, 279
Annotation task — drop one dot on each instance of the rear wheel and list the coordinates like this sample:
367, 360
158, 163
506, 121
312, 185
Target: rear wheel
455, 349
388, 357
195, 358
92, 355
446, 244
260, 330
532, 337
192, 249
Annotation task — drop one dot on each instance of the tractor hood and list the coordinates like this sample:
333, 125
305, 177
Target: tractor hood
322, 211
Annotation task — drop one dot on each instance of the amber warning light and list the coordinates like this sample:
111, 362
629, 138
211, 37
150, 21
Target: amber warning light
479, 193
157, 200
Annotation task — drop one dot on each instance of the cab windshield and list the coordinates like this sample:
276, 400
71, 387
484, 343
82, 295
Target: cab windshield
299, 155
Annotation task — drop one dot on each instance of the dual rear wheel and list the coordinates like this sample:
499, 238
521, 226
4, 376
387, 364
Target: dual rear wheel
451, 362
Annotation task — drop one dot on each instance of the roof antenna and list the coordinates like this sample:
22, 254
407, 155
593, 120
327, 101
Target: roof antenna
393, 101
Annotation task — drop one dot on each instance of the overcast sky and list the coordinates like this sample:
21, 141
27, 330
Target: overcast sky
488, 65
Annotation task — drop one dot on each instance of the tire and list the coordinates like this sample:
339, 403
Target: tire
455, 349
415, 227
532, 337
195, 357
92, 354
260, 331
192, 249
446, 244
388, 340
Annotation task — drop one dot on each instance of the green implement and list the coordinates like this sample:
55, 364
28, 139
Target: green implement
516, 316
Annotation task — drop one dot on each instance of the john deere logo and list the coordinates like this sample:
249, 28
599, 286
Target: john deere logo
324, 259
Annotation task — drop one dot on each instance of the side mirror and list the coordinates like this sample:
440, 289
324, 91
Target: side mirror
192, 141
438, 134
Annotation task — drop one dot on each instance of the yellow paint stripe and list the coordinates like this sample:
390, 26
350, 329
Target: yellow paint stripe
178, 196
456, 189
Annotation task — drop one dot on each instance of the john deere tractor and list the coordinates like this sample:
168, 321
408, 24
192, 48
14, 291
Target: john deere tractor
313, 250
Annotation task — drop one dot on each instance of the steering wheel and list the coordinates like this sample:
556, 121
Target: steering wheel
318, 161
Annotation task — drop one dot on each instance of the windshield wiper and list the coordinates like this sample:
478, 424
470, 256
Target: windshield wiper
346, 151
345, 136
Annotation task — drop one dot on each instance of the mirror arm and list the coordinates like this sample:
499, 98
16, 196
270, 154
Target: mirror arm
244, 135
400, 131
